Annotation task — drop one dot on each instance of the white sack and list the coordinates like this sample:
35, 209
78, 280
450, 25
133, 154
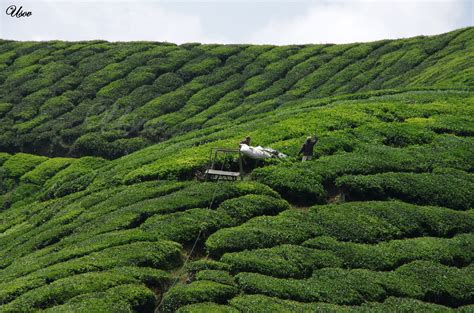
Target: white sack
260, 152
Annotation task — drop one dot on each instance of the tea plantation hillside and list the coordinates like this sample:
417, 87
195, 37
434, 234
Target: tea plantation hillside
100, 210
110, 99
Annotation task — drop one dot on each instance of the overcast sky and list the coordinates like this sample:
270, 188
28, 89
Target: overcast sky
274, 22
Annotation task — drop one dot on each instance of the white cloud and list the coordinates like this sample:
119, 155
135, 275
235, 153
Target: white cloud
344, 22
85, 20
228, 21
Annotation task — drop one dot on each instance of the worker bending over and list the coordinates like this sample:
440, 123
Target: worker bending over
246, 141
307, 148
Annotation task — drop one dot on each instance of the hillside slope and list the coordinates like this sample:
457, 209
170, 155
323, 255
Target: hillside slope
381, 219
109, 99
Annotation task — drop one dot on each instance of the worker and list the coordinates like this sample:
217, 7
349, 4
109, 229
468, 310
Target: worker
307, 148
246, 141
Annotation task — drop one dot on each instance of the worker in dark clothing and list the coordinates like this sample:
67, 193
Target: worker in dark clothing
307, 148
246, 141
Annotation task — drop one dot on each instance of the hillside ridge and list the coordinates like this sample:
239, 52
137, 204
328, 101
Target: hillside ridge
100, 208
110, 99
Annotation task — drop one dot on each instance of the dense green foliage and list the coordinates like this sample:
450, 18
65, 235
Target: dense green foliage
261, 303
454, 251
365, 222
199, 291
110, 99
299, 261
451, 189
100, 142
420, 280
123, 298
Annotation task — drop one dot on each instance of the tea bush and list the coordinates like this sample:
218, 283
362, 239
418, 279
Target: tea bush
21, 163
162, 254
86, 234
296, 185
206, 307
376, 221
198, 67
4, 157
354, 287
261, 303
149, 80
250, 303
185, 226
366, 222
217, 276
45, 170
64, 289
452, 190
261, 232
245, 207
440, 284
398, 133
75, 177
206, 264
5, 108
389, 255
198, 291
124, 298
458, 125
420, 280
281, 261
393, 304
443, 152
73, 250
56, 106
22, 194
200, 195
114, 211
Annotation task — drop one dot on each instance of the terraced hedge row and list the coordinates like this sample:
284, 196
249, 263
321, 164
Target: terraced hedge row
444, 152
88, 248
341, 127
85, 207
262, 303
420, 280
455, 251
448, 188
299, 261
339, 271
363, 222
60, 291
326, 270
109, 213
394, 122
110, 99
161, 254
185, 226
123, 298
